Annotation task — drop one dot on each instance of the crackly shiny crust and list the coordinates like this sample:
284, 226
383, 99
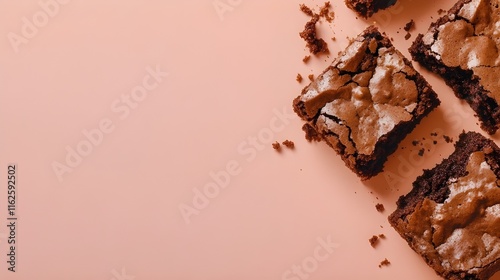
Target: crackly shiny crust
466, 83
434, 185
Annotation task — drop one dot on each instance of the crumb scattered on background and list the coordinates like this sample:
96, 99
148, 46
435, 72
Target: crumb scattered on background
385, 262
409, 26
311, 77
380, 207
434, 139
306, 10
373, 241
277, 146
441, 11
316, 45
382, 236
326, 13
306, 58
289, 144
299, 78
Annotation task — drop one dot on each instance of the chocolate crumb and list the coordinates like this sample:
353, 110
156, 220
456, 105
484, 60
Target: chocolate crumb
299, 78
434, 142
289, 144
421, 152
381, 236
385, 262
415, 142
434, 134
311, 77
325, 12
407, 36
277, 146
409, 26
316, 45
306, 58
380, 207
448, 139
306, 10
332, 15
373, 241
441, 11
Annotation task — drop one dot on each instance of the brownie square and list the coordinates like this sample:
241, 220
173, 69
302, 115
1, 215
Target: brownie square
365, 102
463, 48
451, 217
366, 8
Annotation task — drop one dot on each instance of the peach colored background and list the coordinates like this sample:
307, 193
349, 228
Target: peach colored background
116, 215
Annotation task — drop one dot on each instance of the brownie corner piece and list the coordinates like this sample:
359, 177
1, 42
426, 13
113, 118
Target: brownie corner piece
463, 48
451, 217
365, 102
366, 8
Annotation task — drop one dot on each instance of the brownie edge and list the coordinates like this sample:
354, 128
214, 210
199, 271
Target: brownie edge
451, 217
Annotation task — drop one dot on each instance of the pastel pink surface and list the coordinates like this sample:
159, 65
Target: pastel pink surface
227, 96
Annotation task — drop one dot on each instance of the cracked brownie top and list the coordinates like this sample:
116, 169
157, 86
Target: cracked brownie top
470, 39
452, 215
463, 47
362, 95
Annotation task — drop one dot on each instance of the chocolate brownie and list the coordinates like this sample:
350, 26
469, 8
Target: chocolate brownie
365, 102
451, 217
366, 8
463, 47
